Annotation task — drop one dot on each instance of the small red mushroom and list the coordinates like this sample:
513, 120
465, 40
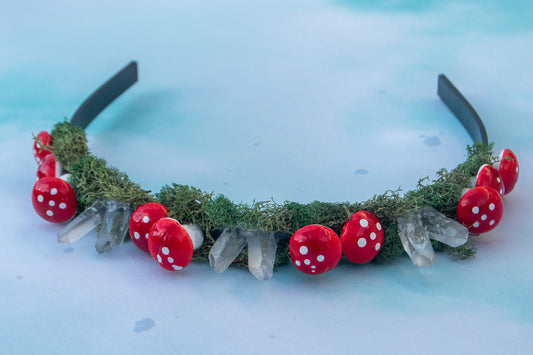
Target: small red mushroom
362, 237
142, 219
508, 169
489, 176
49, 167
54, 200
315, 249
40, 146
170, 244
480, 209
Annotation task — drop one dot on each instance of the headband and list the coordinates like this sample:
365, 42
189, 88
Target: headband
181, 223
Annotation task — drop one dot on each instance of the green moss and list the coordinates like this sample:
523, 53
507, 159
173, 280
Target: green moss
92, 179
69, 143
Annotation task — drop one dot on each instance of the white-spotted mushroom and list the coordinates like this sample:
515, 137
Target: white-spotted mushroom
170, 244
362, 237
315, 249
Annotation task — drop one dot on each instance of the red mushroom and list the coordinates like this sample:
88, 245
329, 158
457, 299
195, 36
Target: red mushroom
170, 244
362, 237
480, 209
315, 249
142, 219
49, 167
508, 168
489, 176
54, 200
41, 145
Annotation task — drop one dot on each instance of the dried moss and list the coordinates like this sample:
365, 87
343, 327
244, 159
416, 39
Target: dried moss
70, 143
92, 179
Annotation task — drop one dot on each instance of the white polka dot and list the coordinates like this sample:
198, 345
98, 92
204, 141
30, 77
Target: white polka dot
62, 205
476, 224
517, 169
53, 191
313, 271
492, 206
363, 223
499, 180
361, 242
146, 235
165, 250
136, 235
159, 258
307, 262
313, 266
320, 258
49, 213
40, 198
298, 263
484, 217
475, 210
501, 192
304, 250
378, 246
492, 222
176, 267
378, 226
373, 236
52, 203
170, 259
146, 219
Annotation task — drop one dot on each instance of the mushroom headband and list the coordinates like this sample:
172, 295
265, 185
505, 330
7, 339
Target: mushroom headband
181, 223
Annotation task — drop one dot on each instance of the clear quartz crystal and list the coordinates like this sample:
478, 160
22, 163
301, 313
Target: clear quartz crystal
227, 247
261, 254
114, 225
442, 228
415, 240
83, 224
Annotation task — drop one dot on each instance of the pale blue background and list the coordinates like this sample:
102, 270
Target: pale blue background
291, 100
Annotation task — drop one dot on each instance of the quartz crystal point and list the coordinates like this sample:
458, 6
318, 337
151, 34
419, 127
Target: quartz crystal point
114, 225
227, 247
442, 228
83, 224
261, 254
415, 240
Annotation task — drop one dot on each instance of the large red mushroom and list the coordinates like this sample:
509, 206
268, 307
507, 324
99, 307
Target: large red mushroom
362, 237
480, 209
170, 244
54, 200
142, 219
315, 249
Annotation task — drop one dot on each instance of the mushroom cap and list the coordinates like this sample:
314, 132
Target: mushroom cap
142, 219
489, 176
509, 169
362, 237
54, 199
315, 249
42, 140
480, 209
170, 244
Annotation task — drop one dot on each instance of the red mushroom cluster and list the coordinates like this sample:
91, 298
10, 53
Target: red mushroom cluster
52, 197
165, 239
481, 208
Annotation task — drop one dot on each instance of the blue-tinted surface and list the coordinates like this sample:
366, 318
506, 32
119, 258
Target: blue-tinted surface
296, 100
